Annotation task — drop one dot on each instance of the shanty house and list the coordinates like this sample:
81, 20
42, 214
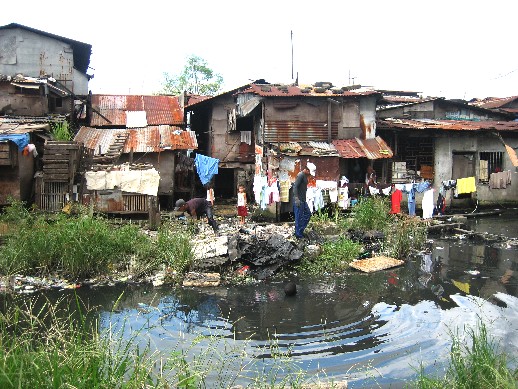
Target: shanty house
137, 133
263, 129
18, 160
443, 150
506, 104
41, 73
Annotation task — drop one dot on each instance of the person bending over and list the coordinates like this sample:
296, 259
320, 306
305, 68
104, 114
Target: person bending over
197, 207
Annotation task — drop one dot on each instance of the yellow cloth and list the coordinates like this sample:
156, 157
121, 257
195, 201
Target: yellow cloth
466, 185
284, 191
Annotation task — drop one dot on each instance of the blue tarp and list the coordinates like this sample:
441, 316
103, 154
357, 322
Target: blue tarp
21, 140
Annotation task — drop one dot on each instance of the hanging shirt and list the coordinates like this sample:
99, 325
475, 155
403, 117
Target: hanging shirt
395, 201
343, 197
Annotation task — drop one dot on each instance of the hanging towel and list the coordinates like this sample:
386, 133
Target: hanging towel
206, 167
466, 185
500, 180
284, 192
427, 204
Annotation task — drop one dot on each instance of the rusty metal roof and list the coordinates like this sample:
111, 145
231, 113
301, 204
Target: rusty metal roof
494, 102
159, 109
450, 125
321, 149
375, 148
290, 91
140, 140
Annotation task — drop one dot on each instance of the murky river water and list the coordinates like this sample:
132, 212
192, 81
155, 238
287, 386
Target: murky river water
371, 329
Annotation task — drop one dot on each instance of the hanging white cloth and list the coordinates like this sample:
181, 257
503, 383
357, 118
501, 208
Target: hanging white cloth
427, 204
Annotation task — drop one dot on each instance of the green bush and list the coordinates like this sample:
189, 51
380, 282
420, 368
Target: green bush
371, 213
77, 246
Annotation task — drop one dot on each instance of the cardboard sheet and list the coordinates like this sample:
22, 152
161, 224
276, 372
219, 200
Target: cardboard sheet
376, 263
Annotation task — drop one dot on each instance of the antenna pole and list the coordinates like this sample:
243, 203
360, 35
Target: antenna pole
291, 54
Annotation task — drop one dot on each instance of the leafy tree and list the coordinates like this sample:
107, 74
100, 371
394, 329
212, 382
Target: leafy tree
196, 78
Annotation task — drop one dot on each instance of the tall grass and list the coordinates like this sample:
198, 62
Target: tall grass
83, 246
477, 366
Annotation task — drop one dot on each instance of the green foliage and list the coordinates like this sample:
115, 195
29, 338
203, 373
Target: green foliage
335, 257
62, 131
371, 213
84, 246
78, 246
478, 366
197, 77
404, 236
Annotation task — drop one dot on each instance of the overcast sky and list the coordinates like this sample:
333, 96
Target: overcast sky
454, 49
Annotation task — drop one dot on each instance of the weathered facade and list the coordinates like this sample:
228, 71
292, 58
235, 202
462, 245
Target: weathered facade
140, 132
253, 128
17, 164
441, 150
39, 54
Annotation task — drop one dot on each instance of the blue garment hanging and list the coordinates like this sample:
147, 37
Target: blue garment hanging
206, 167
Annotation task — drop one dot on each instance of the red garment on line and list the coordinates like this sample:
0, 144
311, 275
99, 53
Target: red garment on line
395, 199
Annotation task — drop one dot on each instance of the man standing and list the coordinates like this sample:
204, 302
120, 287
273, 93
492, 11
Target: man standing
197, 207
300, 206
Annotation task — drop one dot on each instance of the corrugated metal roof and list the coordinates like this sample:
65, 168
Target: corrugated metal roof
375, 148
22, 128
322, 149
140, 140
159, 109
450, 125
289, 90
494, 102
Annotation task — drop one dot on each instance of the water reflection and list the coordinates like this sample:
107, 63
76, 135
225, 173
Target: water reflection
372, 329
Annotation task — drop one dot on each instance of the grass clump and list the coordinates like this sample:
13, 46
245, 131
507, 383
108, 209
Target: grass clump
404, 236
77, 246
478, 366
334, 258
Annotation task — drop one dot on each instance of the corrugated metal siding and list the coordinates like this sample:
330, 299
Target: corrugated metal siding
296, 131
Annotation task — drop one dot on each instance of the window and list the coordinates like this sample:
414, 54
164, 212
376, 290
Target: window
490, 162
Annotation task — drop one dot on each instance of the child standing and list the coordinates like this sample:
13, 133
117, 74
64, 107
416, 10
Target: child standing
210, 193
242, 211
